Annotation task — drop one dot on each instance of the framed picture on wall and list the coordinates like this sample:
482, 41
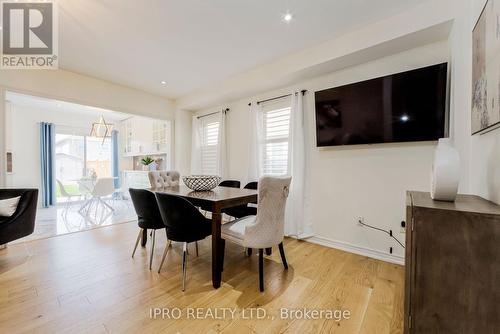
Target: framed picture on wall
486, 69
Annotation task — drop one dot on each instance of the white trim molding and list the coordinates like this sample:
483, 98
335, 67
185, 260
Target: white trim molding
345, 246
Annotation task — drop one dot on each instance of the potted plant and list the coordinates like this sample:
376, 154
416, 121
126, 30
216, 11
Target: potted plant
148, 163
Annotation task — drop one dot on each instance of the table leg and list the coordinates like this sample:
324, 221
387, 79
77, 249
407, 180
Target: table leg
216, 249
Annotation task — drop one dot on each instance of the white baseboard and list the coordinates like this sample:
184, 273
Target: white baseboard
345, 246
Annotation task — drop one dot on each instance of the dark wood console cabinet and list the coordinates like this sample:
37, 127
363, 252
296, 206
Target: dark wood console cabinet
452, 282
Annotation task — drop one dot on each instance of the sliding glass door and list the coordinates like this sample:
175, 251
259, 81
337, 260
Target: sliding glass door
98, 156
78, 156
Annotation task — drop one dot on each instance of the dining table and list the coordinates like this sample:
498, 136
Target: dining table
215, 201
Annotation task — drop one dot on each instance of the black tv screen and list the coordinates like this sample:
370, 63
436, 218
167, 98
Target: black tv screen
404, 107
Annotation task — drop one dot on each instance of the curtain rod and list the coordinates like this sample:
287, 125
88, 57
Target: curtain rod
278, 97
66, 125
213, 113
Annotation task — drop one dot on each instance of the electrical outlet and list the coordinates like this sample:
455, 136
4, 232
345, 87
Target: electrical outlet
360, 220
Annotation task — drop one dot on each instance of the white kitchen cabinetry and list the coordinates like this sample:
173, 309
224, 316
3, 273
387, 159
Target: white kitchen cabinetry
145, 136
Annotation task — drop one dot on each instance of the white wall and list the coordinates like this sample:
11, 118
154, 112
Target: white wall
3, 163
182, 138
348, 182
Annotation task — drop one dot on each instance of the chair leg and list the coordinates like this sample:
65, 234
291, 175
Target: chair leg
196, 243
282, 252
269, 251
261, 270
106, 204
184, 266
164, 255
144, 238
152, 249
137, 241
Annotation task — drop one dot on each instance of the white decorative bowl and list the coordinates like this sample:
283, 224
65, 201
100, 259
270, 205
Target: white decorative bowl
201, 182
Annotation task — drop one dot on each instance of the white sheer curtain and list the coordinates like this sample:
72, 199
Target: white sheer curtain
197, 130
254, 149
296, 222
222, 146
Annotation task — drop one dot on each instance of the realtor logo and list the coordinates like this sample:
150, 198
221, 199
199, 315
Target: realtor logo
29, 38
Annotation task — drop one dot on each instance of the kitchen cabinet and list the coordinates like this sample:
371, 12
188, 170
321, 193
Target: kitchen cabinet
145, 136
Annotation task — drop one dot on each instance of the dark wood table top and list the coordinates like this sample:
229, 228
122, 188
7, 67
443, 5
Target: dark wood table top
219, 194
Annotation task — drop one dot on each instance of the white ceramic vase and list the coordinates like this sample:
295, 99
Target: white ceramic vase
445, 172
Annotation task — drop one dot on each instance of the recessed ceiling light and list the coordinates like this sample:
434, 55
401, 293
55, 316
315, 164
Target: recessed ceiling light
287, 17
405, 118
163, 82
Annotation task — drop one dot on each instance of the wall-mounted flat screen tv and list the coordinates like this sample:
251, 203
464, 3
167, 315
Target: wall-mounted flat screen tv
403, 107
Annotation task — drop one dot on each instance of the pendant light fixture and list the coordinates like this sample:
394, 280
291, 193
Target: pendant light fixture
101, 129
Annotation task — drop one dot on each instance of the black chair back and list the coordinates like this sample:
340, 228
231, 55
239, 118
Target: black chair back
146, 208
230, 184
252, 185
22, 222
183, 220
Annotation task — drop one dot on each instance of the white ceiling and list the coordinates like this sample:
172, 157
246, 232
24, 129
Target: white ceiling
62, 107
193, 43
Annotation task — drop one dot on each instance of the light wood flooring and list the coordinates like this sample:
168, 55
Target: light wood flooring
87, 282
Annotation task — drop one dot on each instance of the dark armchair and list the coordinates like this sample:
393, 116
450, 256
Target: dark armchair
22, 222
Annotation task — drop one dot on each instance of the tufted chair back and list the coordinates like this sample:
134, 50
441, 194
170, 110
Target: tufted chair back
164, 179
269, 227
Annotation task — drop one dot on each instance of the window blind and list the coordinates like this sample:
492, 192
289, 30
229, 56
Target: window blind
276, 125
209, 143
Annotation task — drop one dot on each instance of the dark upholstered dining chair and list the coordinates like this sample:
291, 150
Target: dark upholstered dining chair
148, 216
184, 223
22, 222
230, 184
243, 210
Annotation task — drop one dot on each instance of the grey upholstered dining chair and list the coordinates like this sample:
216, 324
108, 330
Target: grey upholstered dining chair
163, 179
267, 228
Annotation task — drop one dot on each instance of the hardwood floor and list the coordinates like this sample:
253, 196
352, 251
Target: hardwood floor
87, 283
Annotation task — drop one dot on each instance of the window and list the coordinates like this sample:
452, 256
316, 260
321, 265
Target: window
276, 127
209, 145
77, 156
